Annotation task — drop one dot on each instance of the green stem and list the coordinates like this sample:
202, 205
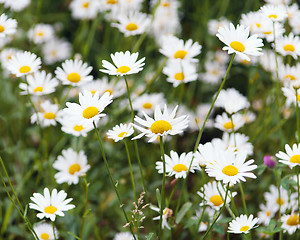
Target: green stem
278, 179
53, 227
85, 206
65, 97
112, 180
172, 193
243, 198
200, 219
162, 199
297, 116
131, 173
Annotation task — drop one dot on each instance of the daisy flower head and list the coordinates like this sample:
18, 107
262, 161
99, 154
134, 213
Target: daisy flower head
84, 9
90, 107
71, 165
41, 33
123, 236
214, 72
119, 132
266, 213
289, 74
232, 101
290, 223
238, 41
274, 13
8, 26
40, 83
214, 194
291, 157
248, 116
48, 115
231, 168
133, 23
16, 5
207, 154
76, 128
163, 124
178, 166
125, 64
148, 102
50, 205
167, 213
74, 72
180, 72
214, 25
242, 224
56, 50
6, 54
295, 24
175, 48
267, 30
289, 45
291, 94
23, 63
254, 20
45, 231
224, 123
278, 2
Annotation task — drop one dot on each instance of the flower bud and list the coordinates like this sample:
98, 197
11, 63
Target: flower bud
269, 161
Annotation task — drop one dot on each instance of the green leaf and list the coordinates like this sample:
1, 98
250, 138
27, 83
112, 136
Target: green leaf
149, 236
158, 197
183, 211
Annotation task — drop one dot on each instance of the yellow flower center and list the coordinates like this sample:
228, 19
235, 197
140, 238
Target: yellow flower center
38, 89
109, 90
90, 112
298, 97
78, 128
289, 47
123, 69
1, 29
74, 77
131, 27
111, 1
93, 91
49, 115
230, 170
289, 76
74, 168
237, 46
53, 53
228, 125
40, 34
295, 158
273, 16
216, 200
258, 25
180, 167
180, 54
86, 4
24, 69
281, 201
268, 213
122, 134
165, 4
147, 105
293, 220
267, 33
50, 209
160, 126
179, 76
244, 228
45, 236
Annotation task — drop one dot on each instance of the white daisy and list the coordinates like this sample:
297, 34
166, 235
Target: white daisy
48, 116
56, 50
41, 33
267, 60
40, 83
200, 115
278, 2
23, 63
291, 157
288, 45
167, 212
242, 224
178, 166
295, 24
52, 204
123, 236
224, 123
290, 223
267, 30
76, 128
248, 116
231, 168
207, 153
254, 20
90, 107
16, 5
6, 54
119, 132
125, 64
180, 72
214, 195
148, 102
214, 72
8, 26
238, 41
45, 231
214, 25
162, 124
289, 74
291, 94
175, 48
266, 213
74, 72
275, 13
133, 23
71, 165
85, 9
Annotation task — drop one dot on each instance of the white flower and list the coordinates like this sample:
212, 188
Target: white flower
289, 45
148, 102
85, 9
41, 83
6, 54
248, 116
41, 33
254, 20
45, 231
266, 213
178, 166
238, 41
50, 205
290, 223
163, 124
231, 168
167, 212
71, 165
291, 94
56, 50
291, 157
207, 153
175, 48
224, 123
76, 128
242, 224
267, 60
289, 74
90, 107
123, 236
214, 25
275, 13
125, 64
214, 72
267, 30
8, 26
16, 5
23, 63
119, 132
74, 72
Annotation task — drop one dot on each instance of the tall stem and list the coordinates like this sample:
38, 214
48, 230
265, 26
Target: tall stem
130, 169
297, 116
53, 228
85, 206
298, 188
162, 199
112, 180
